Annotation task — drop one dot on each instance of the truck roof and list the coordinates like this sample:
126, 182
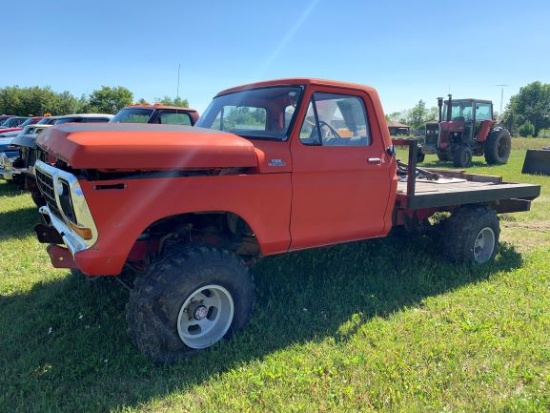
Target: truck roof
158, 106
299, 81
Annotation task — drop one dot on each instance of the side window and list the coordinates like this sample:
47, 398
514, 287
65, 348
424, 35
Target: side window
335, 120
483, 111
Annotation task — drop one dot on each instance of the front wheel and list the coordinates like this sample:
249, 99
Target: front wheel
471, 234
189, 300
462, 157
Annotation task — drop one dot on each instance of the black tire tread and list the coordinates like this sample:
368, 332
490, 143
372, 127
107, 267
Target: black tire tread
151, 325
459, 159
492, 156
461, 229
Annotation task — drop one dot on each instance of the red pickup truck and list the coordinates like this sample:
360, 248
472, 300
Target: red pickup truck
270, 167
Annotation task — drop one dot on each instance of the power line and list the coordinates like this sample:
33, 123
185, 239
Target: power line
501, 97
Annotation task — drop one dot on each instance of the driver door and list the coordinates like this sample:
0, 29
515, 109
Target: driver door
341, 179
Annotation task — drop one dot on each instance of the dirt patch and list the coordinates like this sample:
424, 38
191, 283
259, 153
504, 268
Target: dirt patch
526, 236
539, 226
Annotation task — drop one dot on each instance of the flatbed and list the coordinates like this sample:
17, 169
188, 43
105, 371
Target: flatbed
436, 188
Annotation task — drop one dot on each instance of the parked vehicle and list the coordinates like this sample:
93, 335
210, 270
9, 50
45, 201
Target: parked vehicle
13, 132
13, 122
7, 156
21, 169
271, 167
22, 147
466, 127
157, 113
3, 117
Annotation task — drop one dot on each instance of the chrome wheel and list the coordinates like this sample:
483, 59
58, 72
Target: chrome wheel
484, 245
205, 316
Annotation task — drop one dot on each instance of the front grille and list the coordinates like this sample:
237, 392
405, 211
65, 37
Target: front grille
431, 135
45, 184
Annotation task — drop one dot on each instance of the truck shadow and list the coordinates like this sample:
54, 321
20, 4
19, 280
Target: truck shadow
66, 337
18, 223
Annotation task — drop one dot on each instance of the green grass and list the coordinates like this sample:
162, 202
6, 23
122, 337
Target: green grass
384, 325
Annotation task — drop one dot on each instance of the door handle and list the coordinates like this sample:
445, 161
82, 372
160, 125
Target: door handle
374, 160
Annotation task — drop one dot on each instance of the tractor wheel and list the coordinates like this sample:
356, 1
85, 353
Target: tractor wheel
498, 146
462, 157
471, 235
189, 300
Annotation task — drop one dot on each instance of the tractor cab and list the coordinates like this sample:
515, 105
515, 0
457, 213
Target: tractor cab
467, 116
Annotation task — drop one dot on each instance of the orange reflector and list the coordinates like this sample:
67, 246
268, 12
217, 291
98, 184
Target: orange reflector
85, 233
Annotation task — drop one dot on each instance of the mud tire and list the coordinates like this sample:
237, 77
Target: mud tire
169, 292
471, 235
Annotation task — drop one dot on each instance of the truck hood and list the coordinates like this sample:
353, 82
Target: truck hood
136, 146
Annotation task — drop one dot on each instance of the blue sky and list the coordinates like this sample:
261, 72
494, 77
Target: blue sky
408, 50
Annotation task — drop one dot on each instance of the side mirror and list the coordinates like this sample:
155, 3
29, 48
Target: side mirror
390, 150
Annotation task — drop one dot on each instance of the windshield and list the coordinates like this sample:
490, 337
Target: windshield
29, 121
264, 113
12, 122
461, 111
133, 115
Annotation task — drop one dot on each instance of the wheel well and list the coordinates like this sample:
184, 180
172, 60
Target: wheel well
220, 228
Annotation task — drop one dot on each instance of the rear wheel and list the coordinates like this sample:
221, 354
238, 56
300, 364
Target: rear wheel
471, 235
462, 157
189, 300
498, 146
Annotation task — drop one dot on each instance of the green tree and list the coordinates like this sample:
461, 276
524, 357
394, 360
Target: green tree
110, 99
527, 129
36, 101
532, 104
417, 116
168, 101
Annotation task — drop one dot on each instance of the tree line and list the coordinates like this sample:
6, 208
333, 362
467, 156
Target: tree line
15, 100
527, 113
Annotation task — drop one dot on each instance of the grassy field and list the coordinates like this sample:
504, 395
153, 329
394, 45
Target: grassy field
385, 325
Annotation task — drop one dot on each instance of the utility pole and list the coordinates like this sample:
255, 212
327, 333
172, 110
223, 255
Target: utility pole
501, 98
178, 88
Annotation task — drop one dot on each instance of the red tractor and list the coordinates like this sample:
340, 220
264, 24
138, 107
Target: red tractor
466, 127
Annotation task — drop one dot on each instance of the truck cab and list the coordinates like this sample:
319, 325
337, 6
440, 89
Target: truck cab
323, 137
